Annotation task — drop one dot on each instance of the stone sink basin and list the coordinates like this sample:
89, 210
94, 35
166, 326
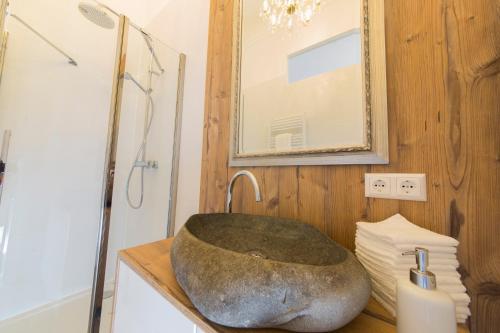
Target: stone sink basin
254, 271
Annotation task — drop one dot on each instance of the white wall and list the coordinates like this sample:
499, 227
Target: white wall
139, 11
184, 26
312, 98
58, 117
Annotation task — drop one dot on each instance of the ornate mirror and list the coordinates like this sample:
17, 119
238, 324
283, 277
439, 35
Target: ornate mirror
309, 83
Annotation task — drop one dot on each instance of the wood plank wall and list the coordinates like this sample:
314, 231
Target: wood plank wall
444, 113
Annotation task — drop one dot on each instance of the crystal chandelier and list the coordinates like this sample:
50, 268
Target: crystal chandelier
280, 13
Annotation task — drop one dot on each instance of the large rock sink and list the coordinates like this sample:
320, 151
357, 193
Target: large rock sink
254, 271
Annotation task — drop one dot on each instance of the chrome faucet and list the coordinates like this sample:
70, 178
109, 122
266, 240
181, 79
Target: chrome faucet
229, 197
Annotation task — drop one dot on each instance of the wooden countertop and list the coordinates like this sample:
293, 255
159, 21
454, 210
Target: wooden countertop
152, 263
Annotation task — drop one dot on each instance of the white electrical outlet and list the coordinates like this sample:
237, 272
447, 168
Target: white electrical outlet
411, 187
380, 186
399, 186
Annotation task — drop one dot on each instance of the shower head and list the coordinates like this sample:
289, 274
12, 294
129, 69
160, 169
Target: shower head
97, 14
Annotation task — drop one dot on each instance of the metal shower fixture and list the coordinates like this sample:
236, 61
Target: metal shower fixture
97, 13
71, 60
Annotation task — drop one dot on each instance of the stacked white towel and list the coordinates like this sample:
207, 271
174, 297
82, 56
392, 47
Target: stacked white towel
379, 247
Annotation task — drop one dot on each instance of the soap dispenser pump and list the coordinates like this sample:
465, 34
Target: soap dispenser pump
420, 306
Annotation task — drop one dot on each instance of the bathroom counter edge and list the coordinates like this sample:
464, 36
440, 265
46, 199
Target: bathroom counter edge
152, 263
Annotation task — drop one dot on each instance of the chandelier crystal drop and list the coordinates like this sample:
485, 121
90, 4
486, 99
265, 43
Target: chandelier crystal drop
286, 13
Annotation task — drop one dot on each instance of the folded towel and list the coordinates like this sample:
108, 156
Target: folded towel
379, 248
391, 309
397, 258
448, 252
405, 246
398, 230
443, 270
389, 281
389, 295
283, 141
462, 313
388, 300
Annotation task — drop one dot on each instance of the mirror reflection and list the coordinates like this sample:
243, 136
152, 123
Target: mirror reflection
300, 77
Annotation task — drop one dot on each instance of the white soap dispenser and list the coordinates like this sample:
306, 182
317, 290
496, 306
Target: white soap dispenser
420, 307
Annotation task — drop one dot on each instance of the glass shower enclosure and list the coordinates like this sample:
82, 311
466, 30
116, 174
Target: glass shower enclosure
90, 153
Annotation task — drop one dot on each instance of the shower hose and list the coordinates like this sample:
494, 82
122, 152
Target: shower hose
139, 162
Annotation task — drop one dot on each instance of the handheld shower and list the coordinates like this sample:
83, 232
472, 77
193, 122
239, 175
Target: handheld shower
140, 162
98, 14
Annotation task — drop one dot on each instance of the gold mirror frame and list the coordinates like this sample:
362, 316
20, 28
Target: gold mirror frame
375, 148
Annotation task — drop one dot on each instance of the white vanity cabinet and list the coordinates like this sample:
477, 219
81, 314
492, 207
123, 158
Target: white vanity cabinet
139, 308
148, 299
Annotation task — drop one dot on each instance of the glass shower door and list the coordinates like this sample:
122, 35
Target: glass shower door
58, 239
57, 115
145, 163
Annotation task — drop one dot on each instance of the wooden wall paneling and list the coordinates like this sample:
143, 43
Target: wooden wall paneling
379, 208
245, 190
215, 152
238, 191
345, 202
288, 203
444, 114
414, 45
471, 132
312, 196
413, 52
269, 187
270, 193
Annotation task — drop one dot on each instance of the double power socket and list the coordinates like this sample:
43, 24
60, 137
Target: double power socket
400, 186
